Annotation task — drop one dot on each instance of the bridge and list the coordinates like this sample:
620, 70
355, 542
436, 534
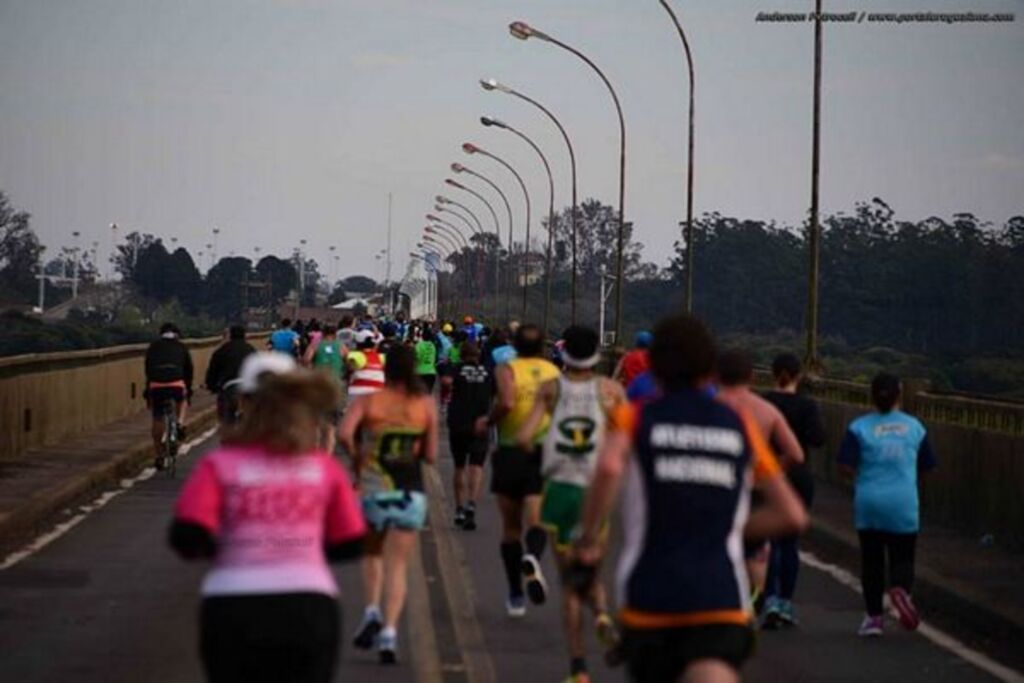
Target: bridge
91, 590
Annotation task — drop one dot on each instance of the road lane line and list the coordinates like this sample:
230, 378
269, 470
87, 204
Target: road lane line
936, 636
84, 511
457, 583
422, 637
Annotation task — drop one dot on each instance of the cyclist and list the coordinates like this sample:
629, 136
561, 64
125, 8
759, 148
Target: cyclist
398, 427
577, 403
516, 475
284, 339
636, 361
168, 382
221, 373
270, 508
688, 461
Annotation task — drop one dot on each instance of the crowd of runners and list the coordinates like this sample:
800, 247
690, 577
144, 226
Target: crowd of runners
326, 434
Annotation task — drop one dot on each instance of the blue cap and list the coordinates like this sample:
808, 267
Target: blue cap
643, 339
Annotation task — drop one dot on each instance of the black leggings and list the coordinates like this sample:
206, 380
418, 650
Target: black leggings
874, 547
280, 637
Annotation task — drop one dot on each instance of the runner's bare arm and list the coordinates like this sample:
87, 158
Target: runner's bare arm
611, 465
349, 424
541, 407
783, 513
785, 442
503, 401
430, 438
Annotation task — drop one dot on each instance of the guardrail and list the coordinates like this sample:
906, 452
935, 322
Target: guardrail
45, 397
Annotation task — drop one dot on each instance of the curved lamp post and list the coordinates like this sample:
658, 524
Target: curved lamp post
440, 208
492, 122
492, 85
689, 160
497, 233
470, 148
459, 168
524, 31
445, 201
455, 230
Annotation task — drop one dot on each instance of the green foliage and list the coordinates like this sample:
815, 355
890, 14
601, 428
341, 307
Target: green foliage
19, 254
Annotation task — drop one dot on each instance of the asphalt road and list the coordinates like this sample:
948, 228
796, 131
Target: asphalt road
108, 601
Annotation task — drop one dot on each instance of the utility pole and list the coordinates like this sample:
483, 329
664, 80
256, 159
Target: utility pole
812, 362
605, 295
387, 263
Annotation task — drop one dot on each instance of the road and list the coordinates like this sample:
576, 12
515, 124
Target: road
108, 601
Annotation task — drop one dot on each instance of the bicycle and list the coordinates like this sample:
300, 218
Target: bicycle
168, 458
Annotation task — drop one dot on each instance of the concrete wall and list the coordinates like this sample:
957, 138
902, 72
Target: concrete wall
978, 486
47, 397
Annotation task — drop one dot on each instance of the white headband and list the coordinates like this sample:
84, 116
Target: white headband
581, 363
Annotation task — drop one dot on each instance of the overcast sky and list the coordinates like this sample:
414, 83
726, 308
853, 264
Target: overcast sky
278, 120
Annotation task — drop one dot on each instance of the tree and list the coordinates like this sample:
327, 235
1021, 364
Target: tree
19, 253
359, 284
127, 254
225, 288
337, 295
281, 274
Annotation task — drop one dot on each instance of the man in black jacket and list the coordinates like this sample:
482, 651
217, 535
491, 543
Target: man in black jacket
168, 379
225, 364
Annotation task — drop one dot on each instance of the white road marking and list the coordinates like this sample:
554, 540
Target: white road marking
84, 511
940, 638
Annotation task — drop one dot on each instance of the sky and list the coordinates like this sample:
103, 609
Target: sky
282, 120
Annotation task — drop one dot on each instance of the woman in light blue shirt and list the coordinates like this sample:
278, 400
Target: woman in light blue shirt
886, 450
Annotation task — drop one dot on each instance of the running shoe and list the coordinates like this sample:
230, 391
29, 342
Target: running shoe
387, 645
608, 636
772, 618
460, 516
470, 523
583, 677
536, 586
515, 606
368, 630
900, 599
158, 463
871, 627
787, 613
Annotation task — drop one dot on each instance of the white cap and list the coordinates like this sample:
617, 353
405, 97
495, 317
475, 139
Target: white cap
363, 336
263, 363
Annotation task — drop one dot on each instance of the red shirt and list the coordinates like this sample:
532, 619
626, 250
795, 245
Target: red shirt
636, 362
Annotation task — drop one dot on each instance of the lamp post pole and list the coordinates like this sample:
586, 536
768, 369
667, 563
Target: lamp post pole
492, 84
689, 160
523, 31
497, 233
459, 168
470, 148
812, 362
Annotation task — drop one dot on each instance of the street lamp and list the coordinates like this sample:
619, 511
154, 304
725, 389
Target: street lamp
470, 148
441, 209
445, 201
449, 229
216, 232
689, 161
492, 122
523, 31
813, 363
442, 237
491, 85
459, 168
497, 233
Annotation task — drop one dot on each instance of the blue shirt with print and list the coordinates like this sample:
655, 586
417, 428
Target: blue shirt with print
887, 450
283, 340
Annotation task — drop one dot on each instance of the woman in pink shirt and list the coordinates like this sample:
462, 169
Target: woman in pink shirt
271, 507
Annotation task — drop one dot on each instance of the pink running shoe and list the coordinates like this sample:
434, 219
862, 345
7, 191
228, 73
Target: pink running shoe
905, 608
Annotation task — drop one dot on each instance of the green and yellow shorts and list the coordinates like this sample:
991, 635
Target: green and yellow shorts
561, 509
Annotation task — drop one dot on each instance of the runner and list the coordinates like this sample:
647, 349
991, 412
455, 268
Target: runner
636, 361
221, 373
735, 373
804, 418
168, 380
399, 432
577, 404
471, 329
284, 339
426, 359
327, 354
688, 462
471, 386
365, 366
885, 451
270, 603
516, 479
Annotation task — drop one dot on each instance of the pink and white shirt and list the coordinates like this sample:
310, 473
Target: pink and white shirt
271, 515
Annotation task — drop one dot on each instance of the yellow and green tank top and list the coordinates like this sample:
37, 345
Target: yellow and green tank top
528, 375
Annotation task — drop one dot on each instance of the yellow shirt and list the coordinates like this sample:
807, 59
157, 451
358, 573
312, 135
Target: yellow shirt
528, 375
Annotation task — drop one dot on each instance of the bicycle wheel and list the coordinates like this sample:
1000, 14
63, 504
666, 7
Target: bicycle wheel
170, 439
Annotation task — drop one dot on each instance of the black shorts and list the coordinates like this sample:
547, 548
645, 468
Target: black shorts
159, 396
516, 473
275, 637
662, 655
468, 446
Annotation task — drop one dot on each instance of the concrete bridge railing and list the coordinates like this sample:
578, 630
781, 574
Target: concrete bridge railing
47, 397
